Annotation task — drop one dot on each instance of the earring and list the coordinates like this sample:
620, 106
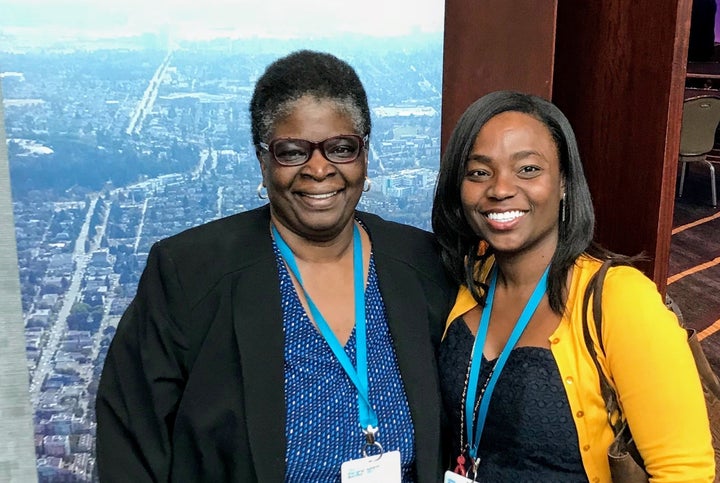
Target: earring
367, 185
261, 195
562, 208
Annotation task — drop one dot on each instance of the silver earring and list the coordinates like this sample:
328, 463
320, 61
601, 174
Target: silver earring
367, 185
261, 195
562, 208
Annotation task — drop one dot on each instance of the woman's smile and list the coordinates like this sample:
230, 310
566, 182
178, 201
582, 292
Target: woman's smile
320, 200
319, 196
504, 220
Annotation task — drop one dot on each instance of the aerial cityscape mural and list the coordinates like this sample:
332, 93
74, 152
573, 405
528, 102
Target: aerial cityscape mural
115, 142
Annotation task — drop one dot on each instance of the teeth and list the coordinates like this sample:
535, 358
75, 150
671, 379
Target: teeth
321, 196
505, 216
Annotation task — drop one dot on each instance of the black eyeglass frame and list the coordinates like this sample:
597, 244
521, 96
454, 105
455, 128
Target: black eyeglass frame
312, 146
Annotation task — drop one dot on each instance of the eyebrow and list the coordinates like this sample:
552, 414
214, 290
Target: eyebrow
515, 156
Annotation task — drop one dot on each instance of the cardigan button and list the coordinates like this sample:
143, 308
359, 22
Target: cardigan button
569, 380
580, 414
556, 340
586, 447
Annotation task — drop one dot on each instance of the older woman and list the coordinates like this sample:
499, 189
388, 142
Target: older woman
292, 342
514, 216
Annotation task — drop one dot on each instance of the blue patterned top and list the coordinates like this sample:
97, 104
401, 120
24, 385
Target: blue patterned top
322, 428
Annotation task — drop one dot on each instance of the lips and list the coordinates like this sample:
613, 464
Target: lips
319, 196
504, 216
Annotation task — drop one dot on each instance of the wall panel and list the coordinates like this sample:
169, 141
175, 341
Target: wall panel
491, 45
17, 453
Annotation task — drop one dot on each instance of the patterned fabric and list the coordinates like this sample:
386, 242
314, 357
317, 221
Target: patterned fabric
529, 433
322, 428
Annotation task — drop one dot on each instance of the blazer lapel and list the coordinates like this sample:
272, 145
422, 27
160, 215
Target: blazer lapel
409, 327
257, 320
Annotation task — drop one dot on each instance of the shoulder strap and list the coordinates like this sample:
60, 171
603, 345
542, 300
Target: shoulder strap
707, 374
594, 290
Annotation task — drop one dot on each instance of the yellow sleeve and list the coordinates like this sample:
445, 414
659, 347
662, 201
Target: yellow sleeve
656, 378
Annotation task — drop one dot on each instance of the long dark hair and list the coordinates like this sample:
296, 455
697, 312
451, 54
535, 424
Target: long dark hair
458, 240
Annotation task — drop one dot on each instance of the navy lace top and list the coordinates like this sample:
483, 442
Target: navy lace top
322, 427
529, 433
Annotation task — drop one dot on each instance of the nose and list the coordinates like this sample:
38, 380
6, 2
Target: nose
502, 186
317, 166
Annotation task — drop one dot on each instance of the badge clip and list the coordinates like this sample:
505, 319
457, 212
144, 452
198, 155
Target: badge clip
370, 441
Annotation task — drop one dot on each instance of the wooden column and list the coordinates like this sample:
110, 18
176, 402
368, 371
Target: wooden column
619, 77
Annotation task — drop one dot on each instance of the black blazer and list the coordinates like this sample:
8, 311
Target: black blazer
192, 387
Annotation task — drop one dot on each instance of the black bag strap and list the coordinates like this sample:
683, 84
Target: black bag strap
594, 290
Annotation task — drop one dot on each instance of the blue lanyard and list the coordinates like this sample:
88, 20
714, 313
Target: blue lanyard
366, 415
475, 426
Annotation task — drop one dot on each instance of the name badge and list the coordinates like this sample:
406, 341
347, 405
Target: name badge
385, 468
451, 477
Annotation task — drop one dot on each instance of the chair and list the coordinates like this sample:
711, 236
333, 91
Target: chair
701, 116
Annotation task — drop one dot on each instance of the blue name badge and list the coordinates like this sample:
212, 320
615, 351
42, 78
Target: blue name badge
372, 469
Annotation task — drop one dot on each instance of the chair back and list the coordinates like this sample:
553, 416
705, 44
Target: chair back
701, 116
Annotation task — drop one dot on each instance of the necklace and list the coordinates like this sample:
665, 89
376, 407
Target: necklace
460, 468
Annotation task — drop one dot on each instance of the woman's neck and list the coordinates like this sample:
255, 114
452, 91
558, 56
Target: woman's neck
521, 272
318, 251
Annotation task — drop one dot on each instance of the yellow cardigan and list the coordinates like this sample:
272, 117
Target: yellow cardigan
650, 365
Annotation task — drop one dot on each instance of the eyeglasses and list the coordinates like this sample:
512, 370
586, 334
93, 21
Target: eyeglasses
295, 152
